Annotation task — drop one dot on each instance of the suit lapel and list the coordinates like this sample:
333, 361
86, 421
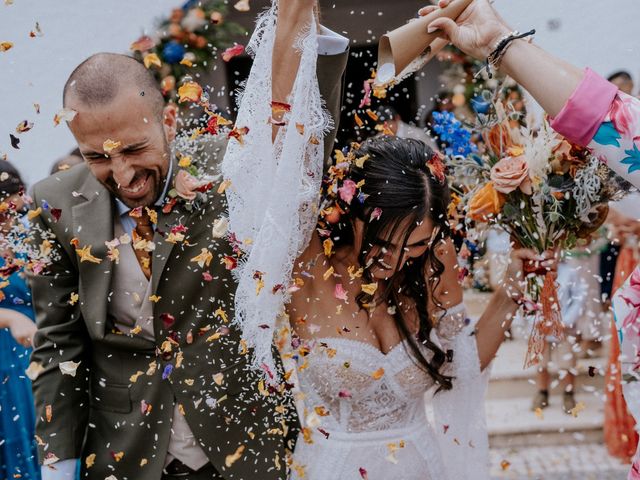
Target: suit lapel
163, 248
93, 226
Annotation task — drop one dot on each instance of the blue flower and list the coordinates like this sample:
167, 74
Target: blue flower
480, 105
173, 52
633, 160
453, 133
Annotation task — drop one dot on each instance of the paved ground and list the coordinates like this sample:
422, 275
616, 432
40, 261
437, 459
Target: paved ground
584, 462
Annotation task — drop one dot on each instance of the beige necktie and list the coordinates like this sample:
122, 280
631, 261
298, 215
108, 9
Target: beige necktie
142, 237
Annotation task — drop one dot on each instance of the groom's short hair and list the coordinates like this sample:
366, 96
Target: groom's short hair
99, 79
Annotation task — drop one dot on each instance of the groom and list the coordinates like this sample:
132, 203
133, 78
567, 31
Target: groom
141, 375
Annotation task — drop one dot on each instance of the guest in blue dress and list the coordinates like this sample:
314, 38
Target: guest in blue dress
18, 454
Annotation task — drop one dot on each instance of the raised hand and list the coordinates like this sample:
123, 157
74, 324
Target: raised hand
477, 30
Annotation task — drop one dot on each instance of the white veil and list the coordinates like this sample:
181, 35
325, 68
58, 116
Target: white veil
274, 186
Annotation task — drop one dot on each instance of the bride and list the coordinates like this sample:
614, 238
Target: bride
375, 306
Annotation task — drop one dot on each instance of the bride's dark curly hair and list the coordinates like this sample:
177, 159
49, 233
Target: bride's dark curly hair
398, 182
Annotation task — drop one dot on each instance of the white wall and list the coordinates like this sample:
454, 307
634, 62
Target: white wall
601, 34
35, 70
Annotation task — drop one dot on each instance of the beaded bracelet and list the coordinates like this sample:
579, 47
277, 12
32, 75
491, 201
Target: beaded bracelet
503, 44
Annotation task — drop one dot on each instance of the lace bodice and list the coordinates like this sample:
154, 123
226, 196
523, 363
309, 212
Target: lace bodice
351, 386
363, 411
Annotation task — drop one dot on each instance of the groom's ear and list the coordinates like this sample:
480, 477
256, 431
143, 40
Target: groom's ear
170, 121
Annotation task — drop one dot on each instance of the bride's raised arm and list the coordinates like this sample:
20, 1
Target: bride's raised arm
275, 157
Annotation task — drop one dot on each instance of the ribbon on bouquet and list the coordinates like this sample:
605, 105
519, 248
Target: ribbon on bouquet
546, 311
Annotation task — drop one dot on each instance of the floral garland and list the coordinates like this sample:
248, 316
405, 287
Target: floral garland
188, 41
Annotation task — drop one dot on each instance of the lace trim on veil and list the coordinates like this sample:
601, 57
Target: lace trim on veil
274, 187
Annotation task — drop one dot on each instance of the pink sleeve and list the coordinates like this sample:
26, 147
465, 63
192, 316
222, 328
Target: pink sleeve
586, 109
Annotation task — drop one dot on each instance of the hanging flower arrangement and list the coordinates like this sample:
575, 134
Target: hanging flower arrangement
186, 43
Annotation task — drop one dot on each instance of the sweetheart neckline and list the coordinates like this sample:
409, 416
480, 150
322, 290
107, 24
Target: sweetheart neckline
365, 344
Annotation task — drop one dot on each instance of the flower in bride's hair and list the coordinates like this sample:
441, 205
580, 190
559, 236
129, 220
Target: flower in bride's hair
486, 203
187, 185
511, 173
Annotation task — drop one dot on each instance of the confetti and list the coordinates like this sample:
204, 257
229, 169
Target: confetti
110, 145
378, 374
189, 92
69, 367
242, 6
90, 460
143, 44
74, 298
238, 134
15, 141
151, 60
5, 46
66, 114
204, 259
370, 288
234, 457
34, 370
24, 126
85, 255
340, 292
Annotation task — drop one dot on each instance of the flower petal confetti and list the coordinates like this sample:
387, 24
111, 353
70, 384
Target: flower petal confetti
66, 114
69, 367
242, 6
110, 145
152, 60
189, 92
232, 52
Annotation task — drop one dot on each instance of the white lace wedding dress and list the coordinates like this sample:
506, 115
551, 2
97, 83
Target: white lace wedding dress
364, 415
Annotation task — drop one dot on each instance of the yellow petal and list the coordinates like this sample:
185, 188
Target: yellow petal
90, 460
378, 374
4, 46
154, 298
31, 214
184, 162
110, 145
328, 273
370, 288
328, 247
222, 314
74, 298
151, 59
189, 92
360, 161
234, 457
85, 255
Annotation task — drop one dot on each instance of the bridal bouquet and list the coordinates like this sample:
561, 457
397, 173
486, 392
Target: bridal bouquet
532, 183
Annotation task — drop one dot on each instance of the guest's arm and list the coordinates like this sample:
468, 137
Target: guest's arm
61, 401
587, 109
21, 327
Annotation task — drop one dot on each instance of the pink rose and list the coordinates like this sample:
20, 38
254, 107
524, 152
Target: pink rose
511, 173
186, 185
347, 191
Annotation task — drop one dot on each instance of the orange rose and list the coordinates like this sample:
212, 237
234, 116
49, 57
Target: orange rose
511, 173
498, 139
486, 203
